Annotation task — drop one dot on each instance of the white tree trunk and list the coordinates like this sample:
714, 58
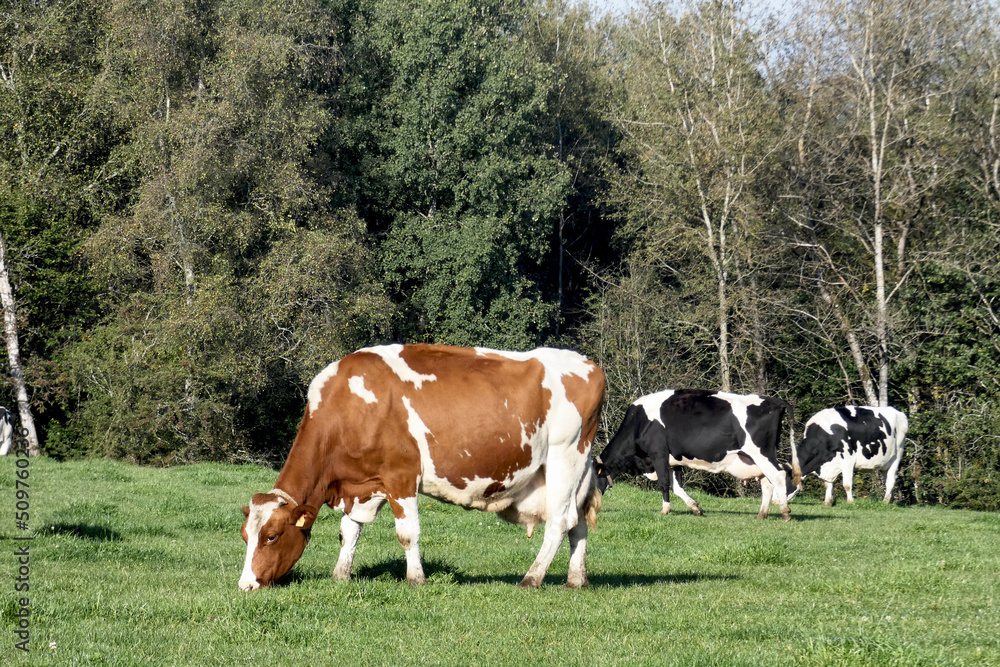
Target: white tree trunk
14, 353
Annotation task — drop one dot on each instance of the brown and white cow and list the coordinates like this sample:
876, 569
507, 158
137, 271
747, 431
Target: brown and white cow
504, 432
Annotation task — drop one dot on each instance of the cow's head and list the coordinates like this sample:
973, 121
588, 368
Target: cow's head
276, 533
603, 477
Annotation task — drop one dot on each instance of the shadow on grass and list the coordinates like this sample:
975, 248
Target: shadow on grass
87, 532
435, 570
774, 516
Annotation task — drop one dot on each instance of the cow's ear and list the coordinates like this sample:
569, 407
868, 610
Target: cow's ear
246, 512
303, 516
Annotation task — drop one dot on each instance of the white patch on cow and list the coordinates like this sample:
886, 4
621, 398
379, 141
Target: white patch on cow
731, 464
651, 404
357, 385
652, 476
316, 386
390, 355
419, 431
738, 404
248, 580
259, 515
6, 433
563, 421
365, 512
827, 419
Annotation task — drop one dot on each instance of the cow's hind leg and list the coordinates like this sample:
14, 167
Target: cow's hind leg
766, 491
828, 500
408, 533
772, 484
561, 514
555, 531
577, 576
890, 478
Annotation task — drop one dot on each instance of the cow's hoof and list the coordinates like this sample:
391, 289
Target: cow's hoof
828, 503
577, 582
529, 582
762, 515
697, 511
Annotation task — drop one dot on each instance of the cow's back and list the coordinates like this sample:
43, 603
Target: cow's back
469, 426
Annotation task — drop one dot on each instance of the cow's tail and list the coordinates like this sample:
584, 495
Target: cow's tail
796, 468
592, 503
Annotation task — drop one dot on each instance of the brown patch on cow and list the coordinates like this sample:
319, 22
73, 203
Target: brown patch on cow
358, 448
499, 398
495, 487
264, 498
587, 394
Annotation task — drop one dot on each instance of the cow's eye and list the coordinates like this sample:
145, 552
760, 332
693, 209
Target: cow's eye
270, 539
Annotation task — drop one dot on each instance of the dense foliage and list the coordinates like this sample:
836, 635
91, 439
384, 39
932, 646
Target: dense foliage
206, 202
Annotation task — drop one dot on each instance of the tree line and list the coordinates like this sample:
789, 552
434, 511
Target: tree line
204, 202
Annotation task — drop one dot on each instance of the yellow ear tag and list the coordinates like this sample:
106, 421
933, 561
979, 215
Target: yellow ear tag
301, 522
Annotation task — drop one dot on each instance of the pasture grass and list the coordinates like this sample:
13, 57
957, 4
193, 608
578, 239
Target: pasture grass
135, 565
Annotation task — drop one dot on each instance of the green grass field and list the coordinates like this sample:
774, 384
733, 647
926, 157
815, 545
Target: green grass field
135, 566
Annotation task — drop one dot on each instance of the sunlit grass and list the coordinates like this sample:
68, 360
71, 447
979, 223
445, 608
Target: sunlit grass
139, 566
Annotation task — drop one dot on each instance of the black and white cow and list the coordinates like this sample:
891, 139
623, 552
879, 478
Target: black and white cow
706, 430
7, 421
838, 440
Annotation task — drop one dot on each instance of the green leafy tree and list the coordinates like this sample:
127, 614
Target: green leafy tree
448, 136
222, 199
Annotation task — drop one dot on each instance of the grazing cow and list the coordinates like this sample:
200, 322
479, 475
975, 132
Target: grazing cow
7, 421
504, 432
705, 430
839, 440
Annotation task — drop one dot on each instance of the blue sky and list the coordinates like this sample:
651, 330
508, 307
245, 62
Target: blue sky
622, 6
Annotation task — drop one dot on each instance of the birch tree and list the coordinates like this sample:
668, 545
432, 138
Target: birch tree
872, 153
14, 353
699, 117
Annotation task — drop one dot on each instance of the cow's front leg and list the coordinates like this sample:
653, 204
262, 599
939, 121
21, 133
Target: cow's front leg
679, 490
664, 476
350, 532
408, 533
